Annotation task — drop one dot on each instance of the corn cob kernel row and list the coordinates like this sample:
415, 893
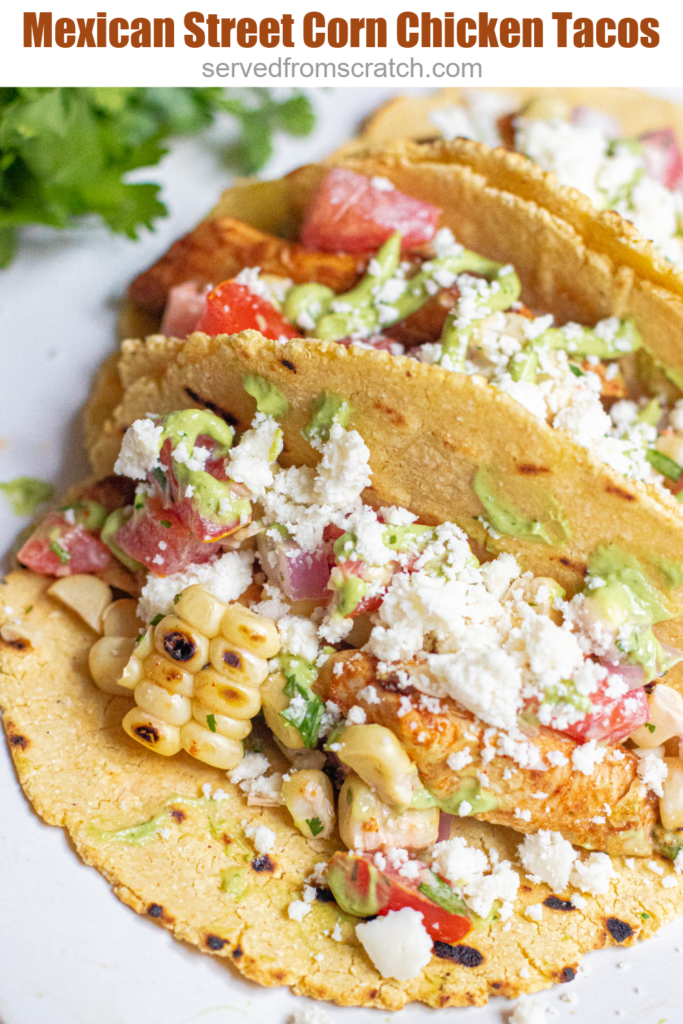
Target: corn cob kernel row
195, 677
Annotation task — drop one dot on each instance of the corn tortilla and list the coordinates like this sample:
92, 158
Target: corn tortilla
82, 773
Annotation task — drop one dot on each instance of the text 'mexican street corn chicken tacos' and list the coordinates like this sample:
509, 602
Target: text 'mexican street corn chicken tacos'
348, 664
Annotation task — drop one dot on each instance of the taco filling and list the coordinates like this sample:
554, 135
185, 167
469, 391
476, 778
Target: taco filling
422, 294
409, 685
640, 177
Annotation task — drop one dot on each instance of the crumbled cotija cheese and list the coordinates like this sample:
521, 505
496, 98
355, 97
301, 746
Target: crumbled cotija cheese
398, 943
139, 452
549, 856
593, 874
226, 577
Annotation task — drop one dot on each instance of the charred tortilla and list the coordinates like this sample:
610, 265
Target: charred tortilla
81, 772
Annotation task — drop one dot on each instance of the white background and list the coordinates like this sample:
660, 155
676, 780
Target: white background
69, 952
659, 66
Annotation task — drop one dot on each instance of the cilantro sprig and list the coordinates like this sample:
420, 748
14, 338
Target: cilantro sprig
66, 152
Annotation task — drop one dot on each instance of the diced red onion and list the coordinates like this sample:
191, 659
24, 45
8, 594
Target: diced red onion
662, 157
184, 306
302, 575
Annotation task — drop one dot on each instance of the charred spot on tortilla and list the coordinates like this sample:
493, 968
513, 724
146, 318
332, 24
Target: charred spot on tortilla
555, 903
528, 469
18, 741
619, 930
223, 413
179, 646
466, 956
177, 814
393, 415
155, 910
237, 952
288, 364
568, 974
618, 492
262, 863
324, 895
215, 942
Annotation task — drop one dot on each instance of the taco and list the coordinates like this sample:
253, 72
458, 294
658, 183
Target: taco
444, 568
438, 783
620, 147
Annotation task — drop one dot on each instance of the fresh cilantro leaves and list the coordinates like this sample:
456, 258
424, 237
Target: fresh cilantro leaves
66, 152
315, 825
211, 722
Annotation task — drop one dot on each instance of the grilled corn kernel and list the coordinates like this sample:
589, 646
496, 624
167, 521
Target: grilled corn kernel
310, 800
233, 728
120, 619
173, 708
144, 644
377, 756
671, 803
666, 718
365, 823
164, 672
226, 696
108, 659
84, 594
132, 673
252, 632
211, 747
201, 609
238, 665
152, 732
181, 643
274, 701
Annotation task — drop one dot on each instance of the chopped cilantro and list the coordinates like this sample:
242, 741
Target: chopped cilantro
645, 917
156, 620
158, 475
61, 553
650, 726
663, 464
306, 709
165, 522
29, 609
176, 599
576, 370
211, 722
24, 493
315, 825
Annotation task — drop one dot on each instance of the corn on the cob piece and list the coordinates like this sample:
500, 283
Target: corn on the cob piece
152, 732
108, 661
366, 823
274, 701
182, 701
84, 594
310, 800
374, 753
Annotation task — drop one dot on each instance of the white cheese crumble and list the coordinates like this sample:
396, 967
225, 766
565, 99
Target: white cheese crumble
250, 461
398, 944
593, 874
262, 836
534, 912
465, 868
528, 1012
586, 757
653, 770
549, 856
139, 453
310, 1015
226, 577
298, 636
297, 910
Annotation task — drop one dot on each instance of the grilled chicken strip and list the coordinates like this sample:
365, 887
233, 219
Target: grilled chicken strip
610, 810
219, 249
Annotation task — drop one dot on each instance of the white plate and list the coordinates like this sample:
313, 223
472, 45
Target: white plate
70, 953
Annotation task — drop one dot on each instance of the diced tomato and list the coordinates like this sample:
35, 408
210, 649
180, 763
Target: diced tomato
185, 304
361, 889
202, 527
60, 548
351, 214
662, 157
612, 719
232, 307
157, 538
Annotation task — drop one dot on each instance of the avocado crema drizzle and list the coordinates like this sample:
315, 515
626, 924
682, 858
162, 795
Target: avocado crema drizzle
386, 295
